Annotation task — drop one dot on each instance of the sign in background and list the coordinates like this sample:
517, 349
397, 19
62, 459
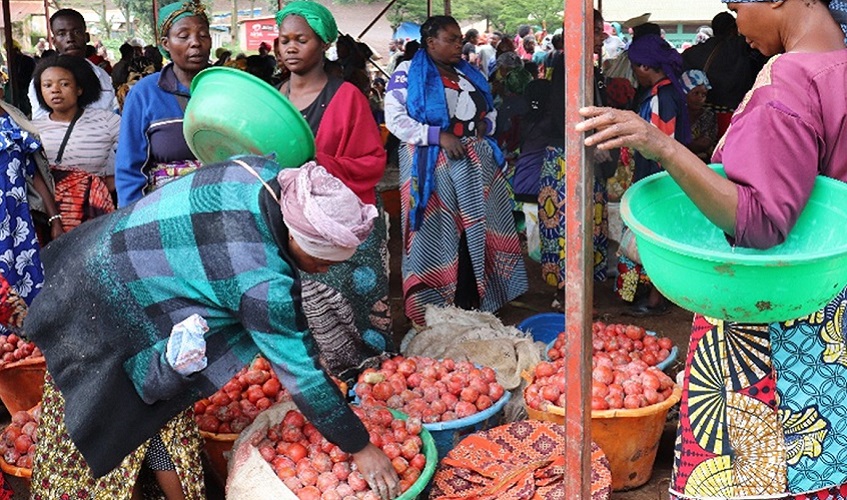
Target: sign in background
256, 31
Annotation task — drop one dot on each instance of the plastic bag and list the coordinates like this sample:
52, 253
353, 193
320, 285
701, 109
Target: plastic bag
628, 247
533, 234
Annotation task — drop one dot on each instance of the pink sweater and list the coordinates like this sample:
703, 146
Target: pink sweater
791, 127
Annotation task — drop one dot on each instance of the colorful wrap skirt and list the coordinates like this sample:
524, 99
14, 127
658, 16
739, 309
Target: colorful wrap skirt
552, 219
59, 470
764, 409
80, 196
470, 198
163, 173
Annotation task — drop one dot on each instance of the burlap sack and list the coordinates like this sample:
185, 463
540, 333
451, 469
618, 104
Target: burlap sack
481, 338
250, 477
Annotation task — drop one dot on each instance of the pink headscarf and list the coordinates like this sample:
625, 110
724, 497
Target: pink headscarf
323, 215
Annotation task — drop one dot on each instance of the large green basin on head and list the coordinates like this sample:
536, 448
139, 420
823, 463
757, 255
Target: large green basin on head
231, 112
691, 263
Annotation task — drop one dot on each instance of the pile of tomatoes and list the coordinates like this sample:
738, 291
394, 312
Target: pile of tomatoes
625, 343
19, 438
253, 389
623, 374
315, 469
432, 390
14, 348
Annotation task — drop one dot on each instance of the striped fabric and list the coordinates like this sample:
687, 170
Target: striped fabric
471, 196
92, 144
80, 196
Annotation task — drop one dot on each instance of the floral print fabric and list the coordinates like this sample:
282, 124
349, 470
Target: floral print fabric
19, 260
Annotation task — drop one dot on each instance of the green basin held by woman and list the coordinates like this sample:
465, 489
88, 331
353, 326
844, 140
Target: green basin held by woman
691, 262
232, 112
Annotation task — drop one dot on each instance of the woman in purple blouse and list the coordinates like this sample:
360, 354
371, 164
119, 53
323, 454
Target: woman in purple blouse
763, 413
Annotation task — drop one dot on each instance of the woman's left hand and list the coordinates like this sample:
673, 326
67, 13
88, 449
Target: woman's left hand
614, 128
56, 229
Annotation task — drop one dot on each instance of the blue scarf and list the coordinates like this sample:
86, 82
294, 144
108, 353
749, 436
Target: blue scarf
426, 103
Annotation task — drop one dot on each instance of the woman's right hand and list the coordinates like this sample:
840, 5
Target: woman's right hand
377, 470
452, 145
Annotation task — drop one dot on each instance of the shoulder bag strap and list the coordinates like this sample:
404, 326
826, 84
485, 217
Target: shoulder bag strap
67, 136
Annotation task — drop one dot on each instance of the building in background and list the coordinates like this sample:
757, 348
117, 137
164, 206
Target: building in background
679, 19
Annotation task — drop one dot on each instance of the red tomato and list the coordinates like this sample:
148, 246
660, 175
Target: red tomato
296, 451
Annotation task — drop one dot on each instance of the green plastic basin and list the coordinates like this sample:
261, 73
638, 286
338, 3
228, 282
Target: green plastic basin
690, 262
231, 112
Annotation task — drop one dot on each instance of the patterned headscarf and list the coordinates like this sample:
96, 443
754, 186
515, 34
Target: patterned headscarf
320, 19
324, 216
171, 13
693, 78
838, 9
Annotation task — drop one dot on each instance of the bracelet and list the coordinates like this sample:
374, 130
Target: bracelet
55, 217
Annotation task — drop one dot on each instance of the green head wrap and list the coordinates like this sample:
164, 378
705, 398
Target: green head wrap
173, 12
319, 18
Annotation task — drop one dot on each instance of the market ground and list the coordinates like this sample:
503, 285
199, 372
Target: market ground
539, 298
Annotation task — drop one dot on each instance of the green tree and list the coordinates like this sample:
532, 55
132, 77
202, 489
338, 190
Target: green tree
139, 17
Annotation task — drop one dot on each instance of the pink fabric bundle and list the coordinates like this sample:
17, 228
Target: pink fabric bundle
323, 215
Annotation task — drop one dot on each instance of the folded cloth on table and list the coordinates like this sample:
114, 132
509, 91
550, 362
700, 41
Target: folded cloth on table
515, 461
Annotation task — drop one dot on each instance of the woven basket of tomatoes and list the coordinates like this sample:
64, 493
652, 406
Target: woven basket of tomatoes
452, 398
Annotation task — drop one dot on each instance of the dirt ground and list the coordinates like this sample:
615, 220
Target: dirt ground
539, 298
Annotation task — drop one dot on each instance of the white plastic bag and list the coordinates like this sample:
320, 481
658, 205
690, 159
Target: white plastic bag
533, 234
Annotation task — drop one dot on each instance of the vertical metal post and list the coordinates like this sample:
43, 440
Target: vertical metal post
578, 30
10, 62
428, 8
448, 9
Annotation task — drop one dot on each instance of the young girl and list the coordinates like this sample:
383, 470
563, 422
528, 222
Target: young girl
80, 142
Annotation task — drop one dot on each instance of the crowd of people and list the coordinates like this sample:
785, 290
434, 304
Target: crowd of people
293, 264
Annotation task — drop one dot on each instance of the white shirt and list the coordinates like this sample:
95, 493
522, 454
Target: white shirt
92, 144
107, 99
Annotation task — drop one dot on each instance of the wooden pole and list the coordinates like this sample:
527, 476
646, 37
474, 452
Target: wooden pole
47, 22
578, 24
377, 18
10, 63
156, 33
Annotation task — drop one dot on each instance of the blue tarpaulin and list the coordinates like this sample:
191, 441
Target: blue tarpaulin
408, 31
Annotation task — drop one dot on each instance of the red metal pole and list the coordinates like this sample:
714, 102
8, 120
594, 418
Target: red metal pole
579, 19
